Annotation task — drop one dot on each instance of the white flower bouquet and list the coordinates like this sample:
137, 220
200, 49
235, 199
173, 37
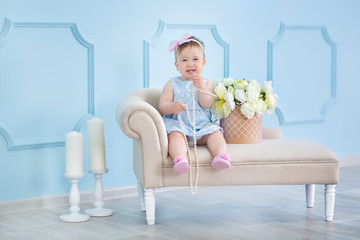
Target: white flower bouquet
253, 98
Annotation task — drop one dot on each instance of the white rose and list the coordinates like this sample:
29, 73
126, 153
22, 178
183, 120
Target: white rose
267, 87
248, 110
217, 114
271, 100
240, 95
240, 84
254, 84
227, 81
226, 110
230, 90
252, 93
229, 99
259, 106
220, 90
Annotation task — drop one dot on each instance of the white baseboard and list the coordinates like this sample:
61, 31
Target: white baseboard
63, 199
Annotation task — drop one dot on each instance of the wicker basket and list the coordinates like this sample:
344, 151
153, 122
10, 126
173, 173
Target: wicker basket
239, 129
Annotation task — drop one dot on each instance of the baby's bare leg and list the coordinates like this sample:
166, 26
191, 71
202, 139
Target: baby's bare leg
216, 143
177, 145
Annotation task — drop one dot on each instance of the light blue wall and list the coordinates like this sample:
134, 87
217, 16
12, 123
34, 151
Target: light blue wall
62, 62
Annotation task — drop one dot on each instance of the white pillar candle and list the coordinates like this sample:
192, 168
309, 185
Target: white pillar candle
96, 144
74, 153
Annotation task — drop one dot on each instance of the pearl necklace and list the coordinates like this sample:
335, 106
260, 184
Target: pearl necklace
193, 185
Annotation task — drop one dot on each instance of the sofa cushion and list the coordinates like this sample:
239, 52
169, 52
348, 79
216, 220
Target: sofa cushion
274, 161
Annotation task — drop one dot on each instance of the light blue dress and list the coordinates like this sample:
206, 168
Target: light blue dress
183, 92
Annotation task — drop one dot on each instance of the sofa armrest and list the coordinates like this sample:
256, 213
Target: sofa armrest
271, 133
140, 121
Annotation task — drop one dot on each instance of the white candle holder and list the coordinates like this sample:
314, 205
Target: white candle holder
74, 199
99, 211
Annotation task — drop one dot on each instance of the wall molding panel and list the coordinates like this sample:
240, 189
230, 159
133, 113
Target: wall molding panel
300, 36
64, 62
160, 34
13, 34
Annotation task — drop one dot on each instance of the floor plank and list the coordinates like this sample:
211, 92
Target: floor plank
243, 212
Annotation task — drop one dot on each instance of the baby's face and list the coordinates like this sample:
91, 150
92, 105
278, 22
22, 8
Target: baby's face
190, 62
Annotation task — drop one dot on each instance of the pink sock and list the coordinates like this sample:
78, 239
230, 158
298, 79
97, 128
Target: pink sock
221, 161
181, 164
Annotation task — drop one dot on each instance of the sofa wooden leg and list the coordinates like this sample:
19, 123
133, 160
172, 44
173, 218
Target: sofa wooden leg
329, 201
141, 196
150, 205
310, 195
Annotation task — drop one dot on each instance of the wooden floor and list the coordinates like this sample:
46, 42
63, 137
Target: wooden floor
245, 212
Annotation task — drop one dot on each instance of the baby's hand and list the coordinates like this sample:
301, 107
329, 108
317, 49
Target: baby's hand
178, 107
198, 81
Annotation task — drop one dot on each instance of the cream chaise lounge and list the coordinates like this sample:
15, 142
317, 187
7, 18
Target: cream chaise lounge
274, 161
